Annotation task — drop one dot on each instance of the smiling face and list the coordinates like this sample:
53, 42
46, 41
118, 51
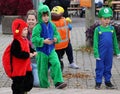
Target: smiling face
31, 21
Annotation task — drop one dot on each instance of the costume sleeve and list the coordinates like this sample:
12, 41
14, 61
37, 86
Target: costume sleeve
95, 44
115, 43
17, 52
36, 39
56, 34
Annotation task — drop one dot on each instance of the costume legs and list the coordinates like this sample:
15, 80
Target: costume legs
69, 52
60, 54
108, 65
55, 70
103, 66
22, 84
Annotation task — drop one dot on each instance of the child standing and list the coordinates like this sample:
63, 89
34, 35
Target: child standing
105, 42
31, 19
64, 26
22, 77
44, 37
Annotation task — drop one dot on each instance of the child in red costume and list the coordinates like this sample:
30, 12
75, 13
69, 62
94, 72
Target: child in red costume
22, 78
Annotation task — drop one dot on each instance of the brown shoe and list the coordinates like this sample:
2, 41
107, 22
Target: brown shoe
60, 85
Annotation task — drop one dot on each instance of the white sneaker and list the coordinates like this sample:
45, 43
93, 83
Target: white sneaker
74, 66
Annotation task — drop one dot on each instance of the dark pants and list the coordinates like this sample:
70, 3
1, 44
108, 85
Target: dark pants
22, 84
69, 53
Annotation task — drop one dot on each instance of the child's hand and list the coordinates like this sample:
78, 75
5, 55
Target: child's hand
98, 58
68, 20
55, 40
118, 56
31, 55
48, 41
35, 53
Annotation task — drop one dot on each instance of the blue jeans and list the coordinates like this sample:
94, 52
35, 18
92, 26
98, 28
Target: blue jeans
35, 75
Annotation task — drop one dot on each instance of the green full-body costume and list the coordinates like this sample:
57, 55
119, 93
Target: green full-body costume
46, 53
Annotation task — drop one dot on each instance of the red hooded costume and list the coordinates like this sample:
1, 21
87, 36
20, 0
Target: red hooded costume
19, 63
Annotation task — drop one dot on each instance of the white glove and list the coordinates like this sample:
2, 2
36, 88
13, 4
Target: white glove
98, 58
118, 56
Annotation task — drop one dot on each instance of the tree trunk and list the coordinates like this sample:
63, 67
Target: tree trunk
90, 17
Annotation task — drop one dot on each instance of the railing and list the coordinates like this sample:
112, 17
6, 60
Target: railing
74, 8
116, 9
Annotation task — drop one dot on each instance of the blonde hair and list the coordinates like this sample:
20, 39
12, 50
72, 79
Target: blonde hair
32, 12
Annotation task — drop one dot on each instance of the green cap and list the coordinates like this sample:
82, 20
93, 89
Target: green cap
105, 12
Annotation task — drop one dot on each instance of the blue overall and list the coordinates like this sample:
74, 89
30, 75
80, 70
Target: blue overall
104, 65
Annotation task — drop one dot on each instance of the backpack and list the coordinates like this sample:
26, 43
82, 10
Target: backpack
7, 61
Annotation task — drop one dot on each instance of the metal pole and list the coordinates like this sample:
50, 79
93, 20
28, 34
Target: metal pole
36, 3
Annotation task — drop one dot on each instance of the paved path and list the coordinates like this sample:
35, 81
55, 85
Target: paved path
80, 81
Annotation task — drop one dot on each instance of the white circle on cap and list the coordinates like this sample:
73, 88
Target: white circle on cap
106, 10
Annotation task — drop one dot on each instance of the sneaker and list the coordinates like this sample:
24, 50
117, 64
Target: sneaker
74, 66
60, 85
97, 86
109, 85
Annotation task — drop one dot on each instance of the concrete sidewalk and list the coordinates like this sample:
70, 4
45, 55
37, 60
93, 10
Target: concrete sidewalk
80, 81
64, 91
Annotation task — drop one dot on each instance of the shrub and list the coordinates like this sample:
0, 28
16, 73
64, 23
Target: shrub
15, 7
90, 31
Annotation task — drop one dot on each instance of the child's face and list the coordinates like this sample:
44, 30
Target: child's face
105, 21
45, 18
25, 32
31, 21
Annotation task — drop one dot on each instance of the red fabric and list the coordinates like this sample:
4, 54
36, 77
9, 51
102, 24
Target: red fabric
6, 61
21, 66
18, 24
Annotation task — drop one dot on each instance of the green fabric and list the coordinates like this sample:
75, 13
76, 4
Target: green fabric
43, 59
95, 40
37, 40
43, 8
105, 12
55, 70
95, 43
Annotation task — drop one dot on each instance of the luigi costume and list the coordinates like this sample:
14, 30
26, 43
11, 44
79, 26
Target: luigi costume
46, 52
105, 41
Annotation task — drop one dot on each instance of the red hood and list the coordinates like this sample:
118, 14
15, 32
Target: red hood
17, 26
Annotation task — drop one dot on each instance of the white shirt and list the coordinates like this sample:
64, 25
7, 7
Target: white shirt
96, 1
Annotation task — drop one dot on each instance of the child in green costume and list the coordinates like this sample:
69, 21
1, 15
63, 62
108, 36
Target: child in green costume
44, 37
105, 42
